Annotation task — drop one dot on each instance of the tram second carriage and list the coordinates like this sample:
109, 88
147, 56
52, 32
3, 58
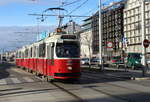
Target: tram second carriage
56, 57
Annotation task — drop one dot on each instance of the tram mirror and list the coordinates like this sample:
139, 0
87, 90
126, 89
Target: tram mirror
52, 44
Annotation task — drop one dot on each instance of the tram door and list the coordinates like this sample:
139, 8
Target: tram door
50, 58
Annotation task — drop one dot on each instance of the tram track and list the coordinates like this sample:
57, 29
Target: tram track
109, 94
97, 90
79, 99
104, 91
108, 78
114, 96
96, 77
112, 77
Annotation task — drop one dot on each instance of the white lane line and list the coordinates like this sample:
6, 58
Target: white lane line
15, 80
3, 82
28, 79
12, 75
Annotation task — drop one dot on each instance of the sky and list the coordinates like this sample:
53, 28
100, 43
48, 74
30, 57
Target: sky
14, 18
15, 12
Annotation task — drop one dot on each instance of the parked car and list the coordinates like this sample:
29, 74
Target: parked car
95, 61
134, 61
85, 61
148, 62
117, 61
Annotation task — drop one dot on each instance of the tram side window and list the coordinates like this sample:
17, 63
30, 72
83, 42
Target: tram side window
26, 53
19, 54
50, 51
34, 51
42, 50
22, 54
37, 52
31, 52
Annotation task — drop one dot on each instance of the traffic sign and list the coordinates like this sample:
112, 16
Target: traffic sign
109, 44
146, 43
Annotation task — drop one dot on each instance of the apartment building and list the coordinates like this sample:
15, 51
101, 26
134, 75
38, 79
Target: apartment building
71, 27
112, 29
132, 25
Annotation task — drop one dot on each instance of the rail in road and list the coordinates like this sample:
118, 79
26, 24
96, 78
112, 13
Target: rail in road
116, 83
103, 84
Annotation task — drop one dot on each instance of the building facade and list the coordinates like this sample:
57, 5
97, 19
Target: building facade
132, 25
112, 29
71, 27
86, 38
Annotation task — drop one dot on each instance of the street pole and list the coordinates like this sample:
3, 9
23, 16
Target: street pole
100, 37
143, 36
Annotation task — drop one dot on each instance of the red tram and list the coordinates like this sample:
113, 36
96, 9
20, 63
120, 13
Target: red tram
55, 57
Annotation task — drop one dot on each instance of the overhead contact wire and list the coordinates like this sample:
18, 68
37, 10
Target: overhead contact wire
78, 7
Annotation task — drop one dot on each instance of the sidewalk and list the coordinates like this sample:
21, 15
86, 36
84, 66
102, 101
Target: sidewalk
121, 72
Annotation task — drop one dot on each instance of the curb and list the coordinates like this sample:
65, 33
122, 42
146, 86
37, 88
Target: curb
143, 78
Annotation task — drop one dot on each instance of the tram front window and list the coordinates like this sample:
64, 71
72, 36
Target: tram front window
68, 49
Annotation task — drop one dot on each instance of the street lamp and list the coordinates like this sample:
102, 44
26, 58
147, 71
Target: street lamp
100, 36
143, 34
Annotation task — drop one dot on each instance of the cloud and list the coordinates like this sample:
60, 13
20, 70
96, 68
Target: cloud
19, 36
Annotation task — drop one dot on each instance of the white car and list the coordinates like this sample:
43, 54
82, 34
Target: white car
85, 61
148, 62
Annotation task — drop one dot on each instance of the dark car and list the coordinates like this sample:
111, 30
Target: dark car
95, 61
117, 61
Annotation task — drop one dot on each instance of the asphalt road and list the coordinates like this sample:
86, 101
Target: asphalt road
17, 85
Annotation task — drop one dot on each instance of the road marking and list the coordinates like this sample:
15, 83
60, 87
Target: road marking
28, 79
12, 75
15, 80
3, 82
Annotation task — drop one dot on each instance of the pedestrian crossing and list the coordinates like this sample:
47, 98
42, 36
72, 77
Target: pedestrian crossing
15, 80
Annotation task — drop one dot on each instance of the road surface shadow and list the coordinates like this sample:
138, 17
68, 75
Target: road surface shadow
4, 67
114, 96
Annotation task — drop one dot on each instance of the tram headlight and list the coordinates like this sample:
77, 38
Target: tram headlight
69, 68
